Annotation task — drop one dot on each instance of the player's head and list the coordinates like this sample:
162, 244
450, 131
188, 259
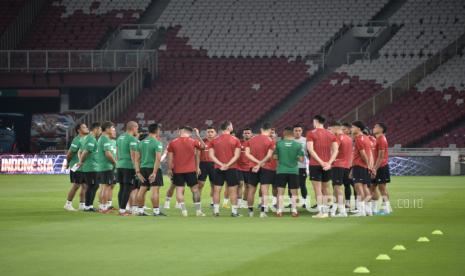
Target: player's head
319, 121
154, 129
357, 127
113, 133
366, 131
142, 134
265, 129
81, 129
247, 133
226, 127
335, 127
108, 127
379, 128
298, 129
132, 128
96, 129
185, 131
346, 128
211, 132
273, 134
288, 133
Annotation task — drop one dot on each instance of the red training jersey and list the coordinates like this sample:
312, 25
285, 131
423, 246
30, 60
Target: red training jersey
204, 156
381, 145
244, 163
224, 146
362, 142
259, 146
183, 149
344, 155
322, 140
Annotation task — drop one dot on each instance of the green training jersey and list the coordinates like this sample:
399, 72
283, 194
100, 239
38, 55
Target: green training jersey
90, 145
124, 144
74, 148
148, 148
105, 144
288, 152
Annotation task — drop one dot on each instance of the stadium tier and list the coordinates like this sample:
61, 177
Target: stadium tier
264, 28
9, 9
334, 97
76, 24
436, 102
455, 137
195, 90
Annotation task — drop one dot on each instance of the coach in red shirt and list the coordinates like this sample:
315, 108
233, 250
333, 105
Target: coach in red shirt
224, 152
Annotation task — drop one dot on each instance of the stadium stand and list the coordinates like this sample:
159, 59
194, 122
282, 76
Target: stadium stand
334, 97
203, 90
435, 103
454, 137
9, 9
78, 24
426, 28
264, 28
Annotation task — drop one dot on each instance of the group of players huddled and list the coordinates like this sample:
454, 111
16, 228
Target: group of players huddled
350, 156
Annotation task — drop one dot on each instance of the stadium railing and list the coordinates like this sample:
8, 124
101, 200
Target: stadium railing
381, 100
15, 32
72, 60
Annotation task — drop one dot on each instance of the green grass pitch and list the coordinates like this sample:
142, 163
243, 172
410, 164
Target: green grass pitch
38, 237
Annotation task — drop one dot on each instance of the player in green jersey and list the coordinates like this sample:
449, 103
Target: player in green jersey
126, 146
106, 159
148, 170
288, 152
75, 176
89, 164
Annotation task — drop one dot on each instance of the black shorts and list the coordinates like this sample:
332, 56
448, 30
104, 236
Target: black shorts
126, 176
302, 176
207, 169
318, 174
361, 175
76, 177
90, 178
383, 175
348, 181
339, 175
243, 176
106, 177
146, 172
180, 179
230, 176
263, 176
289, 179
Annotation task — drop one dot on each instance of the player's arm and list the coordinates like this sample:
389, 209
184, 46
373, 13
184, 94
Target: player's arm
170, 163
267, 157
250, 156
69, 156
197, 160
237, 154
334, 152
365, 158
211, 154
379, 160
110, 157
313, 153
197, 135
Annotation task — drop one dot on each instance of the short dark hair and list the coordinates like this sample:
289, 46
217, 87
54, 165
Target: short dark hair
106, 125
288, 131
224, 125
366, 131
346, 124
359, 124
143, 135
77, 127
211, 127
335, 123
266, 126
383, 126
246, 129
154, 127
320, 118
95, 125
187, 128
297, 126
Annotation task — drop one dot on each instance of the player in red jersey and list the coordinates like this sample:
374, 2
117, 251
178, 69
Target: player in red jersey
348, 183
183, 166
381, 165
225, 150
245, 165
260, 150
273, 166
371, 190
362, 164
340, 168
323, 149
207, 167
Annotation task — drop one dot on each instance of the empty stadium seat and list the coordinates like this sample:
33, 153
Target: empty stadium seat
9, 9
